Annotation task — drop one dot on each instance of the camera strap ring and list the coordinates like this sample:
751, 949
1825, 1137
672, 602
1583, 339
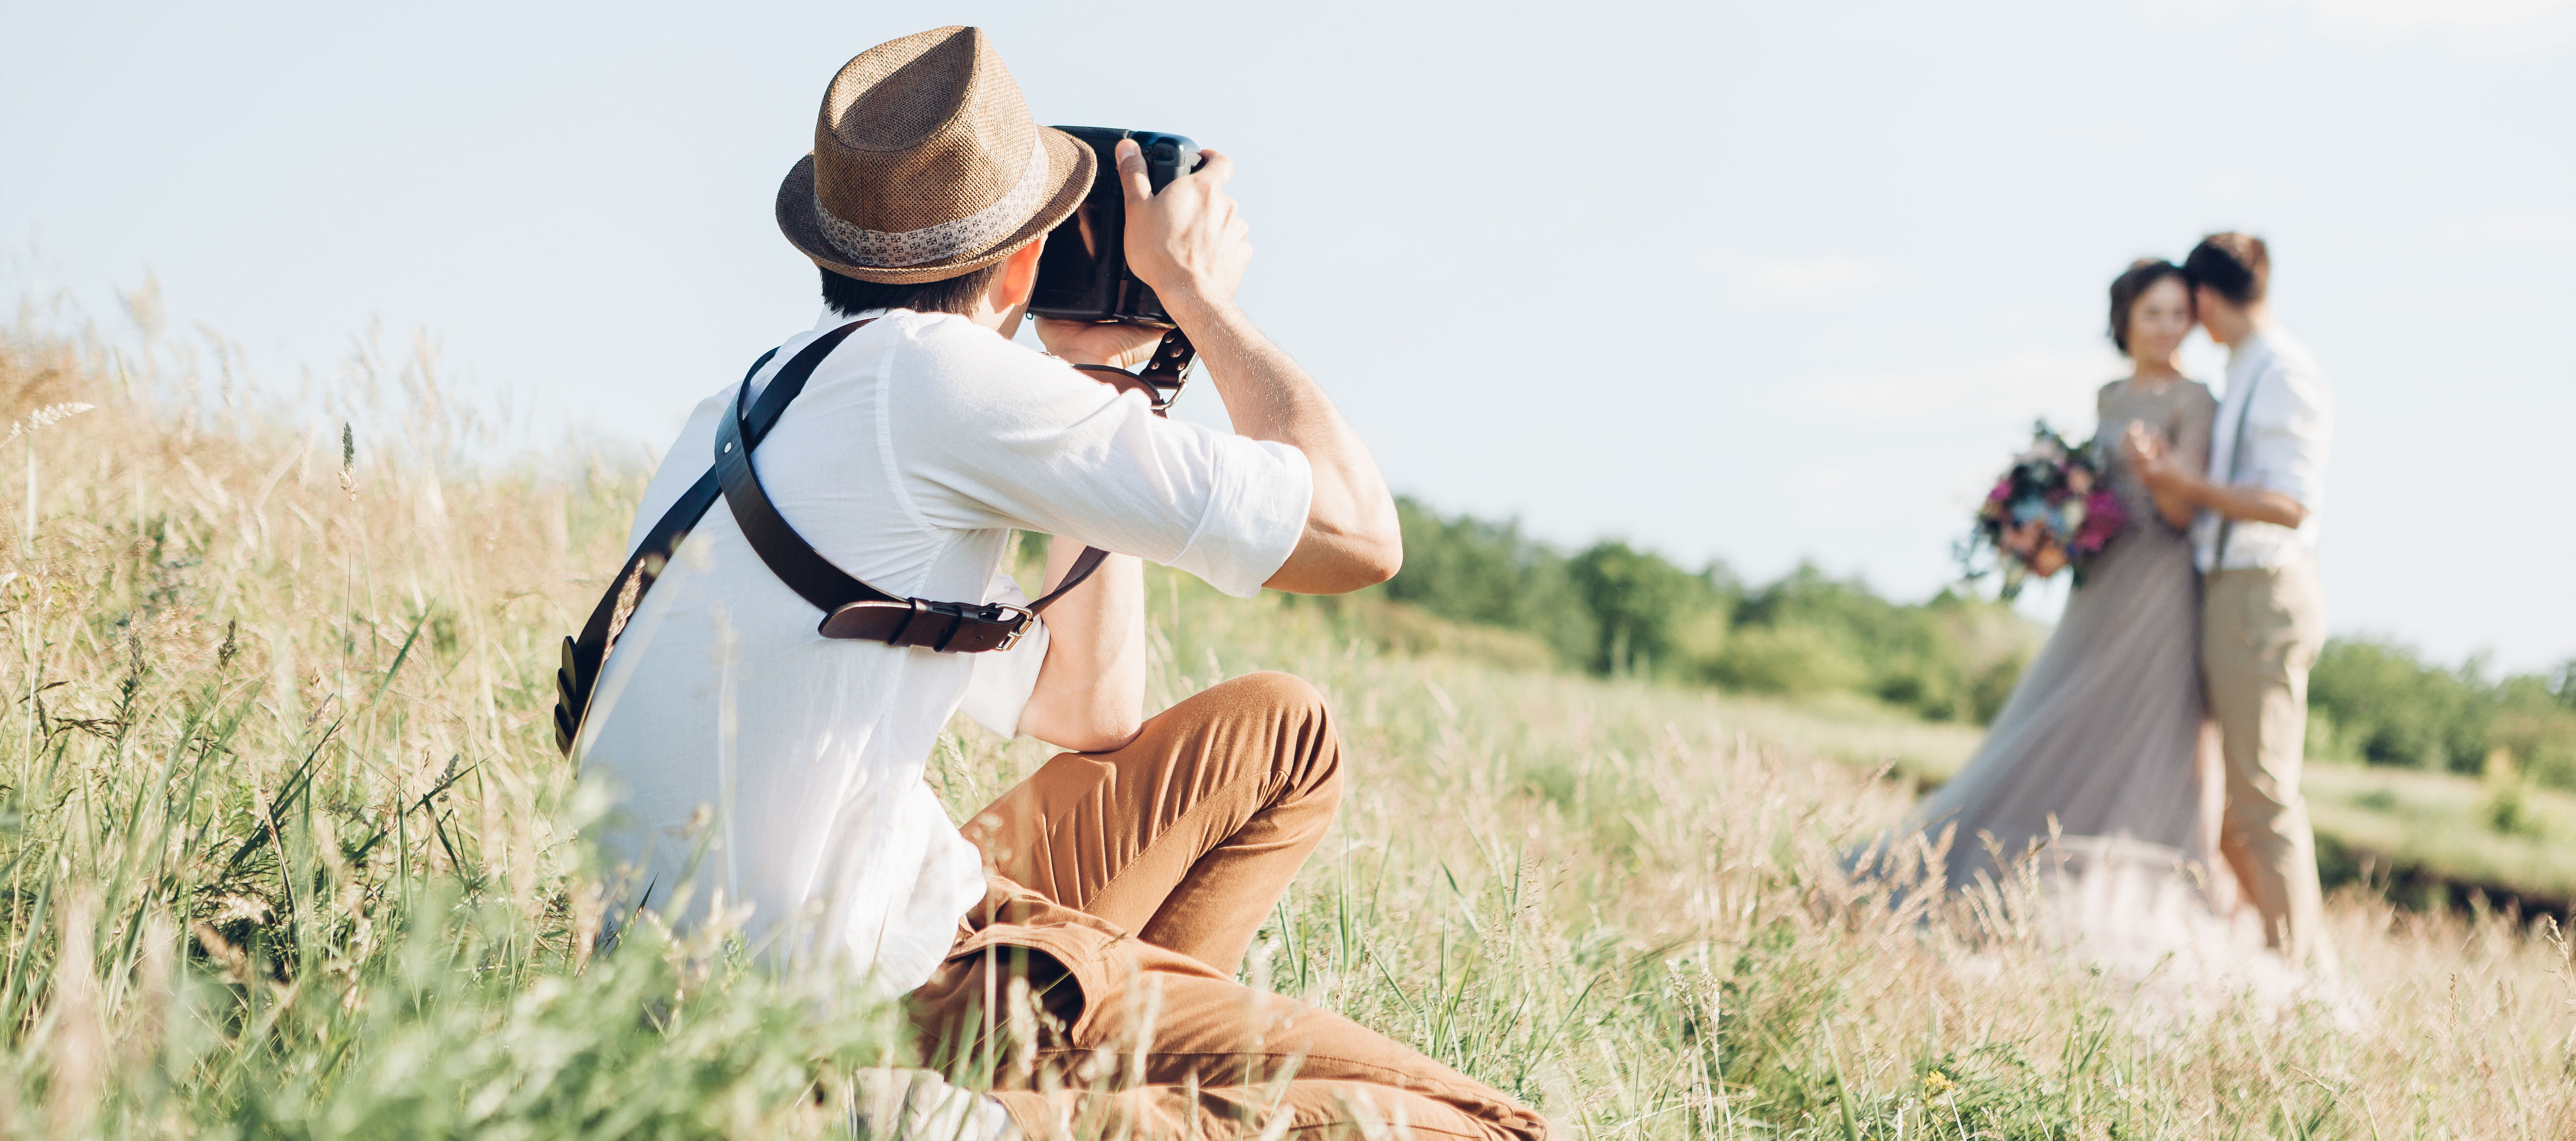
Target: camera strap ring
1163, 377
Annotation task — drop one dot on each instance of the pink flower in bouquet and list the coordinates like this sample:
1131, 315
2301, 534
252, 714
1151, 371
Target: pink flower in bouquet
2051, 511
2102, 521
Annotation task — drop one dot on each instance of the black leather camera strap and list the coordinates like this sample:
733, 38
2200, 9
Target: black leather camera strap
851, 609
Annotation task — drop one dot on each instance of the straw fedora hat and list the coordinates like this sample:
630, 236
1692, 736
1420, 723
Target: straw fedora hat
926, 165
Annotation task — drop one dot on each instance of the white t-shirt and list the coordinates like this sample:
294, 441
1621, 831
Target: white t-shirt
2279, 400
749, 755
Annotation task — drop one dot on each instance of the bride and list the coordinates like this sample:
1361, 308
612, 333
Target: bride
2095, 761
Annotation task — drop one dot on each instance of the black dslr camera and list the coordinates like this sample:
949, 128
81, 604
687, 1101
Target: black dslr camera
1083, 275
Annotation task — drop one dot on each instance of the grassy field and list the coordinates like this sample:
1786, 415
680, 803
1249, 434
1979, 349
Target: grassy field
288, 850
2429, 839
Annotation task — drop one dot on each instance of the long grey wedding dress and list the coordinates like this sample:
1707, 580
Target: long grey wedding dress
2100, 744
2089, 815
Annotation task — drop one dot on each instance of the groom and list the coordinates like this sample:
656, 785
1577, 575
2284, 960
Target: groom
2262, 615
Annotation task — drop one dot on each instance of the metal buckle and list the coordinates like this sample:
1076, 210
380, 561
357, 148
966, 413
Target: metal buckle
1027, 619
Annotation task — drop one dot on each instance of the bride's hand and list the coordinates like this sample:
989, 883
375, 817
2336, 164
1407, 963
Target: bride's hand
2146, 452
2149, 457
2166, 480
2141, 444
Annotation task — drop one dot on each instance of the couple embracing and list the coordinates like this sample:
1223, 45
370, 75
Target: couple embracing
2153, 748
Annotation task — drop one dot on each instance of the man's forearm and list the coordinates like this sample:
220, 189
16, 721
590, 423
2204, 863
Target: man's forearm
2175, 508
1090, 692
2248, 504
1268, 397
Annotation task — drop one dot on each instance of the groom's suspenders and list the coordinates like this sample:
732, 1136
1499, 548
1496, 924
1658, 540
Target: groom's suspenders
851, 609
2235, 467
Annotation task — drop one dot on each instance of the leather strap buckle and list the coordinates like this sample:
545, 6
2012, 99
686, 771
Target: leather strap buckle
1019, 626
941, 627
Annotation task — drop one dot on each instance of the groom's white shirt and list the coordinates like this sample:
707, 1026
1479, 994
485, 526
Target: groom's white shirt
2279, 404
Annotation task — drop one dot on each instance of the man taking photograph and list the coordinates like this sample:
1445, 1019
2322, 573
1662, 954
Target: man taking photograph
769, 768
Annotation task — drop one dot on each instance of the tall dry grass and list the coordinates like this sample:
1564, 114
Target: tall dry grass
286, 847
288, 851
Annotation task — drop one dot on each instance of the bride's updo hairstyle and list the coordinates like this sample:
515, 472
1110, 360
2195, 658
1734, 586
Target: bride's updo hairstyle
2132, 284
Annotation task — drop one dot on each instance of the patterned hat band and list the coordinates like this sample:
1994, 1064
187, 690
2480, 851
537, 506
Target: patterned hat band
897, 249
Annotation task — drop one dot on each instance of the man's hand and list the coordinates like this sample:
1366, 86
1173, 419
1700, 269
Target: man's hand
1095, 342
1186, 241
2179, 492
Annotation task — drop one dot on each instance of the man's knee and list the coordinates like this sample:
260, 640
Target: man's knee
1270, 689
1307, 753
1283, 698
2260, 815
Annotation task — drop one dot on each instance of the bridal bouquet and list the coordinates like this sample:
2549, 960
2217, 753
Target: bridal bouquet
2051, 511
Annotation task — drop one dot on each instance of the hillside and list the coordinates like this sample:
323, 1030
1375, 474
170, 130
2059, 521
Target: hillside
2439, 784
290, 853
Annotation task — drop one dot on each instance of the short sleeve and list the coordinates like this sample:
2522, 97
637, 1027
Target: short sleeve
1255, 516
998, 690
999, 436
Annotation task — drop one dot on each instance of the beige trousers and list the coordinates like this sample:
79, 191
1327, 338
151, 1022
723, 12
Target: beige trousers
1124, 889
2260, 631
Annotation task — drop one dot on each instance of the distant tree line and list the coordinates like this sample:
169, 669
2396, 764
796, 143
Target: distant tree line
2375, 700
1613, 609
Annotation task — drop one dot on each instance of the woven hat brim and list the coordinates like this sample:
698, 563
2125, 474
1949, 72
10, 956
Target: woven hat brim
804, 230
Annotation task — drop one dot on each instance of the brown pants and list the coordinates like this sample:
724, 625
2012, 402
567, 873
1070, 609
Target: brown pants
1125, 888
2260, 631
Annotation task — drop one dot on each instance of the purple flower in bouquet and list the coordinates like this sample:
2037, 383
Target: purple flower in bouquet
2051, 511
2103, 519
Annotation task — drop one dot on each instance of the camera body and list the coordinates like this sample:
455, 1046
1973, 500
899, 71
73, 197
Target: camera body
1083, 274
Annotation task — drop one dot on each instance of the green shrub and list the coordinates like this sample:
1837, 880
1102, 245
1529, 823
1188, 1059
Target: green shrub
2385, 705
2537, 724
1954, 658
1793, 661
1615, 609
1640, 603
1994, 686
1469, 570
2393, 709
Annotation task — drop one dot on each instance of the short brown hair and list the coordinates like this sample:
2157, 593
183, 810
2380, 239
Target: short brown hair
2235, 266
850, 296
2133, 283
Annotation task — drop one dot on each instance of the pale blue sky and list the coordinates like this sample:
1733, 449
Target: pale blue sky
1762, 282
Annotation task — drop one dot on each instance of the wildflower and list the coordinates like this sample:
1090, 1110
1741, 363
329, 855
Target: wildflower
47, 417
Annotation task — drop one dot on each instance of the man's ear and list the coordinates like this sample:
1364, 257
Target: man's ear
1018, 279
